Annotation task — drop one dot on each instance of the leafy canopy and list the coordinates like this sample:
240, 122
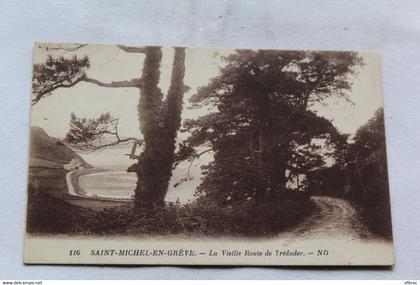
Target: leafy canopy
263, 132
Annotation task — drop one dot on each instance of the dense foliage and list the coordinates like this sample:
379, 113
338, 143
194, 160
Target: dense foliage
263, 133
368, 174
51, 215
361, 176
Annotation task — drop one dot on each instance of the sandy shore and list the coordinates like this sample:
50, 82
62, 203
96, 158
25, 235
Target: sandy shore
75, 189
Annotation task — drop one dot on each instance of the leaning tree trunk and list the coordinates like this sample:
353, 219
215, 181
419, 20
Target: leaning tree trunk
159, 123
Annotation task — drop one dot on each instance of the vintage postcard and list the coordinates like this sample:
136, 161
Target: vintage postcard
193, 156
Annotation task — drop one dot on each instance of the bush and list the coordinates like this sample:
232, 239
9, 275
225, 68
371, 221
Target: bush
368, 176
47, 214
202, 217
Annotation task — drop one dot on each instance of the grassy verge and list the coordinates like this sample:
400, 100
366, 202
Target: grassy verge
47, 214
377, 218
50, 215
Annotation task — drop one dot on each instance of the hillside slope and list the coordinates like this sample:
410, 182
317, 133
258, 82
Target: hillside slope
46, 148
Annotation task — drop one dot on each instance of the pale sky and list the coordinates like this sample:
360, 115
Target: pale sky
109, 63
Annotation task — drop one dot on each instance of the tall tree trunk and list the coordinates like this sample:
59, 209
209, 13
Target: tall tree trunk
261, 186
272, 165
159, 123
278, 166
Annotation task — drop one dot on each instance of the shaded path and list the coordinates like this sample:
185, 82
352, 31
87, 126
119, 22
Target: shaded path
335, 218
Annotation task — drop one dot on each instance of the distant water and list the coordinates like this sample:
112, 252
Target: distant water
117, 183
109, 184
114, 158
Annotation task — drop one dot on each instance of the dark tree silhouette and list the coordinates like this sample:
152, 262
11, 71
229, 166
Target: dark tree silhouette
159, 122
263, 126
368, 174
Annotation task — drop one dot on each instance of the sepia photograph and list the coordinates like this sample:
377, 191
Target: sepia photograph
204, 156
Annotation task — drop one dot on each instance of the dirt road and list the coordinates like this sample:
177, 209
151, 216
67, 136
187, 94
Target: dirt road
335, 218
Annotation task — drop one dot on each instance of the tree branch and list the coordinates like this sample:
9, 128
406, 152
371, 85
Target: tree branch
66, 49
88, 147
132, 49
87, 134
48, 90
136, 83
194, 157
187, 176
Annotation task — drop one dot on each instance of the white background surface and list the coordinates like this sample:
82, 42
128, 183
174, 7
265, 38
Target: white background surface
390, 27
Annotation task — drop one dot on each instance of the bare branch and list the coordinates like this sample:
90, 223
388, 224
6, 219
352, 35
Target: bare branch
196, 157
132, 154
89, 147
38, 95
132, 49
66, 49
187, 175
251, 137
135, 83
